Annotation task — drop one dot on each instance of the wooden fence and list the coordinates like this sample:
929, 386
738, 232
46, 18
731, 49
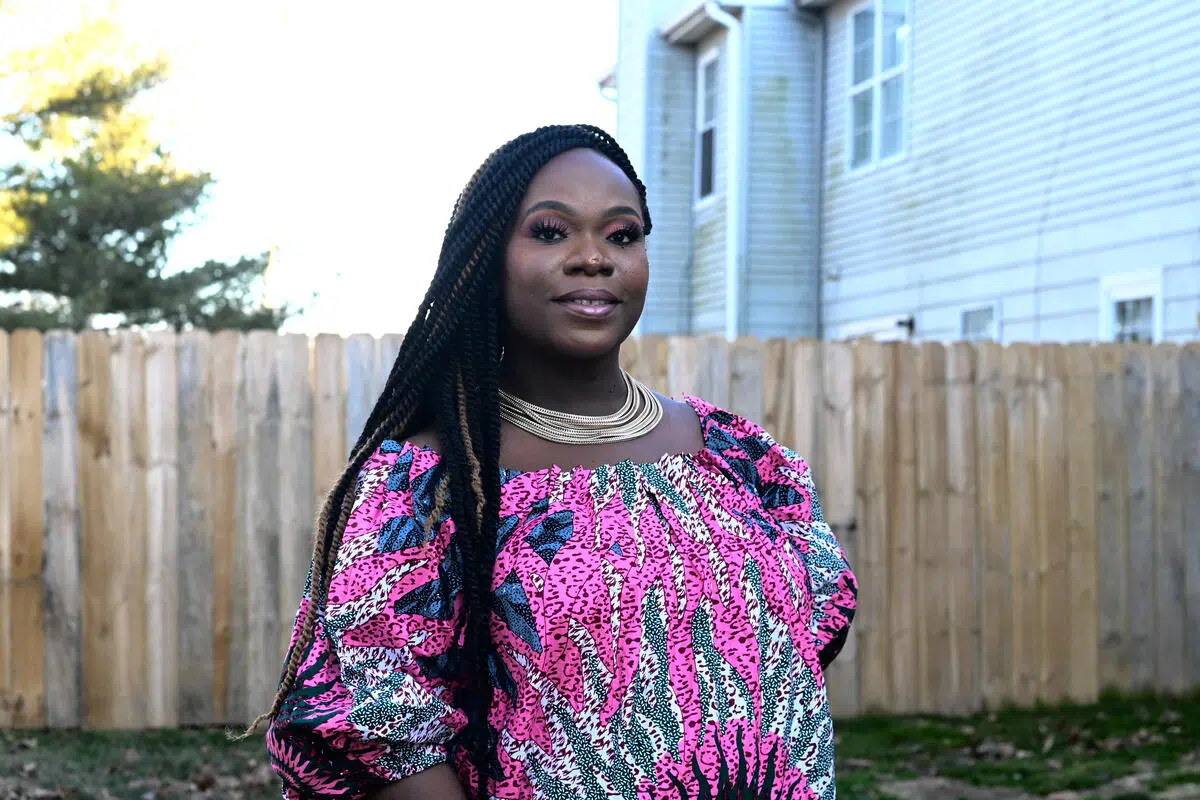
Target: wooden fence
1024, 521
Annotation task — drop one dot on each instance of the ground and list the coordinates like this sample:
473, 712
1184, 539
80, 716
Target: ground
1119, 749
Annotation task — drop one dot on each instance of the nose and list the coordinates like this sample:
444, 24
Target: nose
590, 261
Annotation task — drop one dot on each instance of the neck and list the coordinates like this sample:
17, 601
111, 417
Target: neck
591, 388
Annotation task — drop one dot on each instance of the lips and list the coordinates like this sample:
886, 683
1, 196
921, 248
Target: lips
588, 297
589, 303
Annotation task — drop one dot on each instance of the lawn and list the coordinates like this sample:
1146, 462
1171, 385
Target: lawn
1126, 748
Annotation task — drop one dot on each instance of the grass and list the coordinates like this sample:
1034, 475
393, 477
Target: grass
1040, 751
87, 764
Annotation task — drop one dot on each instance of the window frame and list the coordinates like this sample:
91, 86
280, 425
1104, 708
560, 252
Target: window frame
874, 85
1126, 286
891, 328
711, 55
996, 322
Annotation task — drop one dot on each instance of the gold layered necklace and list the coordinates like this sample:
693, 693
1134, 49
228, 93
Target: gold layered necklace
640, 413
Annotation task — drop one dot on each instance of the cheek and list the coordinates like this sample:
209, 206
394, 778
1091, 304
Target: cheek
638, 275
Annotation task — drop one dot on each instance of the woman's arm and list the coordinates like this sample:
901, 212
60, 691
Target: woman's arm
435, 783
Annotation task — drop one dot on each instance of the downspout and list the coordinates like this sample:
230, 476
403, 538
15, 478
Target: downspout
735, 170
820, 23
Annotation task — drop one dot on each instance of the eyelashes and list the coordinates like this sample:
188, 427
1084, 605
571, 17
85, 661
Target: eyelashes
549, 231
631, 233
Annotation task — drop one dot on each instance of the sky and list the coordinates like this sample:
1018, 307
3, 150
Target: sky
341, 134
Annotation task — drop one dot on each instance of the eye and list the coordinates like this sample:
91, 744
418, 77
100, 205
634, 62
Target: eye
630, 234
548, 231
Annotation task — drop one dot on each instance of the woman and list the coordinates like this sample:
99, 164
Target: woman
536, 578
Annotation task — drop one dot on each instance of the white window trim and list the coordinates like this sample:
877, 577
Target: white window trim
881, 329
875, 82
1130, 286
705, 58
997, 325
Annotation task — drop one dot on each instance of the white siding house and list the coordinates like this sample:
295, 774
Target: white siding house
929, 168
691, 103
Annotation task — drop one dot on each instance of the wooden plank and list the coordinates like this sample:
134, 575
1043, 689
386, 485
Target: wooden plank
389, 349
112, 470
714, 371
131, 458
361, 355
902, 558
655, 354
295, 476
806, 393
162, 552
834, 474
197, 517
935, 687
683, 371
330, 448
226, 353
995, 597
833, 465
27, 664
872, 449
1139, 443
1170, 553
1082, 589
962, 554
746, 390
98, 517
777, 391
630, 356
1021, 508
60, 479
7, 468
257, 568
1051, 513
1189, 394
1112, 516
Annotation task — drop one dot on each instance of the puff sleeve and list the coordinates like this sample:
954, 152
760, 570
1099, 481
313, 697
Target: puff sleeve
784, 485
370, 705
792, 500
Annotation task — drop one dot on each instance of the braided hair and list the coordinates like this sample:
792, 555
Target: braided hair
446, 377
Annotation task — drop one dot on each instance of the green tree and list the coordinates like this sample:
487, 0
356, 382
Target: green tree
91, 202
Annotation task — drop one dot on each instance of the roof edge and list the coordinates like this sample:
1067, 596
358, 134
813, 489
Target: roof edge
694, 24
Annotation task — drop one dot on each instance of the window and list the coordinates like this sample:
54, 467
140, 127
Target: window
1131, 307
880, 34
706, 124
979, 324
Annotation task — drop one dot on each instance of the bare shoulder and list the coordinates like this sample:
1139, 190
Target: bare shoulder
682, 423
427, 439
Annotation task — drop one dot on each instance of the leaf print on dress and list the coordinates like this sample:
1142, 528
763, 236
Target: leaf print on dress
435, 600
551, 533
512, 606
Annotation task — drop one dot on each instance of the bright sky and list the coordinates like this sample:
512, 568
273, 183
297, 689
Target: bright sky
342, 133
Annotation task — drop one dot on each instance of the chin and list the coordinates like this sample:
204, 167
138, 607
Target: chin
587, 348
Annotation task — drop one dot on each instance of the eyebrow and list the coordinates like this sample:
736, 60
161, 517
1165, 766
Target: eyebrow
555, 205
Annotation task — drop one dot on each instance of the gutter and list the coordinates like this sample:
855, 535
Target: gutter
735, 171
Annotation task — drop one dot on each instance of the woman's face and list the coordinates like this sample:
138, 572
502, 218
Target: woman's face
575, 268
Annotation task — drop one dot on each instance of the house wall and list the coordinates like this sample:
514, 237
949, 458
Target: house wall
1050, 144
708, 294
655, 115
781, 291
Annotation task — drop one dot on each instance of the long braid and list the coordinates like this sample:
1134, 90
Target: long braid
446, 377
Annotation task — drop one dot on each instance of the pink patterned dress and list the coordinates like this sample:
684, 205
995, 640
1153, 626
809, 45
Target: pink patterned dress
661, 631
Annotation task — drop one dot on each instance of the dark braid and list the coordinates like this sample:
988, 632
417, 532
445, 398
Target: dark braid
446, 376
